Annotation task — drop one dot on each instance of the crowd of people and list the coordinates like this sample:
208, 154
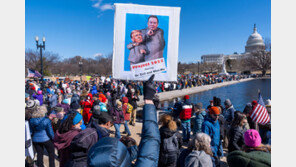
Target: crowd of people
75, 118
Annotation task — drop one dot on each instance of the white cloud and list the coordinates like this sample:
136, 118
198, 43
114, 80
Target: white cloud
102, 6
97, 4
98, 55
106, 7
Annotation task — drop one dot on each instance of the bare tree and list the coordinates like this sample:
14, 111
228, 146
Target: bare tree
259, 60
33, 61
267, 43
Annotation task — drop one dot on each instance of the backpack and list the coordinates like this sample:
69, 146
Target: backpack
170, 150
186, 112
129, 108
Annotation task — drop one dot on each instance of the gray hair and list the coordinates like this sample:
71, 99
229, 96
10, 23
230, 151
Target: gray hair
201, 141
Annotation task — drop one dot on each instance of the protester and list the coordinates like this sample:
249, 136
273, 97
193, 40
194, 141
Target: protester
64, 135
236, 132
171, 142
39, 97
201, 151
87, 105
126, 109
212, 128
198, 120
185, 116
254, 154
118, 118
247, 111
42, 135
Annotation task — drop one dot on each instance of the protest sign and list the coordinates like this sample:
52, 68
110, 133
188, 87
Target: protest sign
146, 41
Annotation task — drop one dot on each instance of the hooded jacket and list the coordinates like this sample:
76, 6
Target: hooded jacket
41, 129
198, 120
212, 128
168, 158
80, 146
236, 138
111, 152
62, 142
198, 159
87, 105
125, 108
39, 98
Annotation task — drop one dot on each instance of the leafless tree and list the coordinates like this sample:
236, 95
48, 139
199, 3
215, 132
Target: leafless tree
259, 60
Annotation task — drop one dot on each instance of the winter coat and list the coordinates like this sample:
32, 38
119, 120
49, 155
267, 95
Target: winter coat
94, 90
80, 146
53, 100
229, 114
101, 131
198, 120
39, 98
87, 106
118, 116
41, 129
115, 153
212, 128
236, 138
168, 158
127, 115
186, 111
253, 158
198, 159
62, 143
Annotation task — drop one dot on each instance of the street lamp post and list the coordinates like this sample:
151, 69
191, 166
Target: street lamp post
80, 65
41, 46
198, 67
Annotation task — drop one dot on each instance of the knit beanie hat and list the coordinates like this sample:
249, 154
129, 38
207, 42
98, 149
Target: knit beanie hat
39, 92
26, 95
186, 97
214, 110
252, 138
97, 111
66, 101
77, 119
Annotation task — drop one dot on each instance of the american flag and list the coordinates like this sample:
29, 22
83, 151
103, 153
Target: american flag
259, 113
33, 73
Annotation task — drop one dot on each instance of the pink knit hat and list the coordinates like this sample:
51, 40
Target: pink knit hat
252, 138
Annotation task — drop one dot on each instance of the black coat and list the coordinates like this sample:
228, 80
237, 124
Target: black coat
236, 138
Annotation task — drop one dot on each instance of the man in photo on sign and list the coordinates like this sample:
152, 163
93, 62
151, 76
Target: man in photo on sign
153, 38
137, 49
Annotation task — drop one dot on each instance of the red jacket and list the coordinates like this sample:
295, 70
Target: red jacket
124, 109
87, 105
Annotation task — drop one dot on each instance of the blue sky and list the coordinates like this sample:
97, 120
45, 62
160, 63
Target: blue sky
85, 27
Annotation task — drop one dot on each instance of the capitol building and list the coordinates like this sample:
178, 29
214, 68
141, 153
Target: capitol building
254, 43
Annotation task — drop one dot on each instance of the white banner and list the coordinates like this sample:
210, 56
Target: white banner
146, 41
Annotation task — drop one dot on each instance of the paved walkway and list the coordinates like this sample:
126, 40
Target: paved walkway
179, 93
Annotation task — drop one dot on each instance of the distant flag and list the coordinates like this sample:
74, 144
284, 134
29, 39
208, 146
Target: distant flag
33, 73
260, 99
259, 113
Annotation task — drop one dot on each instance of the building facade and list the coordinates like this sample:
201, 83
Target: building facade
254, 43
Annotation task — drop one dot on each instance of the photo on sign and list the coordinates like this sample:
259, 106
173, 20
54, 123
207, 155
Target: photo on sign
146, 39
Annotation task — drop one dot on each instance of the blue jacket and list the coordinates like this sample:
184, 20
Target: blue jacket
111, 152
94, 90
212, 128
41, 129
198, 120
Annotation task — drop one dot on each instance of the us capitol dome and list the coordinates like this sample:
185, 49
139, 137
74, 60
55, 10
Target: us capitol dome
255, 42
